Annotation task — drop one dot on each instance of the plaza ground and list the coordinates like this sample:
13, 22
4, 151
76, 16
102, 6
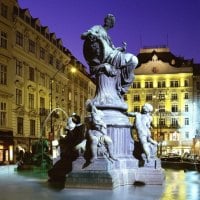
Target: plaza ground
179, 185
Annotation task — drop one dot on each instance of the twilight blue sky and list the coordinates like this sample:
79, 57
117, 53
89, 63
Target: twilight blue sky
175, 23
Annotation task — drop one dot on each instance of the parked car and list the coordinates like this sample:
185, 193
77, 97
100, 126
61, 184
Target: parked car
187, 157
172, 157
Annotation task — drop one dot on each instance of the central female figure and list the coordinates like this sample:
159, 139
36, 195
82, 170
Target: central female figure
111, 65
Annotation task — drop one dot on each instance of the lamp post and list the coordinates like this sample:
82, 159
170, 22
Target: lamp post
51, 134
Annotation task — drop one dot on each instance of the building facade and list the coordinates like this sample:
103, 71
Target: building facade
39, 76
167, 83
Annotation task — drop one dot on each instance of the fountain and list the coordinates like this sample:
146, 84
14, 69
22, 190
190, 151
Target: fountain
108, 160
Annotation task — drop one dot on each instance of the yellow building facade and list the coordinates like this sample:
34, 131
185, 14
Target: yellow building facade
166, 82
38, 76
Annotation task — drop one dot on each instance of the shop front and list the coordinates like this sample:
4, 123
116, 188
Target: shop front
6, 147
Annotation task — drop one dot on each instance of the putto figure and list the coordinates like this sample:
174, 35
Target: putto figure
111, 65
143, 124
98, 142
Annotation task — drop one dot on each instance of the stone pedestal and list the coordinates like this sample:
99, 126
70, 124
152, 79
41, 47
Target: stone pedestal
104, 174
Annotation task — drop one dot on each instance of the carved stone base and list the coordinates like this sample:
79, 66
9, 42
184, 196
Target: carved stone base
102, 174
150, 176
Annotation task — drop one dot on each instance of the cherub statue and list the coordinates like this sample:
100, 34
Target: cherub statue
97, 133
143, 124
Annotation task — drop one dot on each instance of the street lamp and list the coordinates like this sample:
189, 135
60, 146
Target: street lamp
51, 134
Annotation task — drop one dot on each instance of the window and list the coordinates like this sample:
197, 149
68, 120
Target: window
161, 84
31, 46
42, 106
136, 85
31, 74
174, 83
19, 38
20, 125
136, 109
42, 79
187, 135
32, 127
162, 122
186, 96
149, 97
174, 97
186, 83
198, 85
186, 121
27, 19
3, 43
161, 108
3, 74
3, 113
58, 64
136, 97
50, 59
42, 53
18, 68
161, 96
148, 84
174, 108
186, 108
31, 101
18, 97
174, 122
4, 10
